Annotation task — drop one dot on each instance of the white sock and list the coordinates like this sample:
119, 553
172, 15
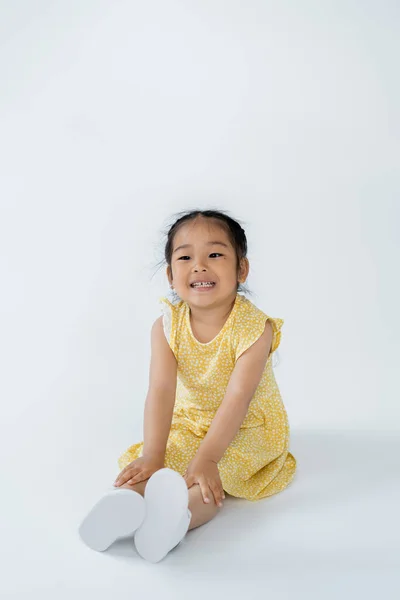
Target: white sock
167, 517
117, 513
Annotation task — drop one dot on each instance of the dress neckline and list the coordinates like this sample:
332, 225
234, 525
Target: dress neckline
225, 325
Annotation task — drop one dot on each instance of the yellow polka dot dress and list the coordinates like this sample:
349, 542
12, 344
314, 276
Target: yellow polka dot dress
257, 463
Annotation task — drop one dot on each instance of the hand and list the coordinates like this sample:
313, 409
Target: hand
205, 472
140, 469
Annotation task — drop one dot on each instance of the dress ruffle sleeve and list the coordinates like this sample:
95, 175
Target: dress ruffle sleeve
276, 326
169, 311
166, 309
252, 334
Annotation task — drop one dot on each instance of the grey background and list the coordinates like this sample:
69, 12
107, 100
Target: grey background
115, 115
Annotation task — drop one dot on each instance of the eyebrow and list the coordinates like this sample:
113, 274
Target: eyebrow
216, 243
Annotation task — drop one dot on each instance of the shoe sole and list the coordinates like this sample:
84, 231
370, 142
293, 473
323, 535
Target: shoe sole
118, 513
166, 498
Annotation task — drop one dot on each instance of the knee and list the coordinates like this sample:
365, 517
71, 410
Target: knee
136, 487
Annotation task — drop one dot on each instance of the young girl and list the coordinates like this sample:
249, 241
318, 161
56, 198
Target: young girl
214, 421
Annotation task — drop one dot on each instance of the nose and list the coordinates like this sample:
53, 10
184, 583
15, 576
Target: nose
198, 267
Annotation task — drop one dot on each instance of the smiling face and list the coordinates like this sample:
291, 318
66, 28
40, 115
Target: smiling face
202, 251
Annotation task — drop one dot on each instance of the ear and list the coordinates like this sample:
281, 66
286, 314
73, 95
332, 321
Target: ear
244, 270
169, 274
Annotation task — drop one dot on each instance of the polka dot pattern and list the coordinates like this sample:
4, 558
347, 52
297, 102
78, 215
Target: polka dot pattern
257, 463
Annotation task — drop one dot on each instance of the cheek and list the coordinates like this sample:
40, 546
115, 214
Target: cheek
180, 270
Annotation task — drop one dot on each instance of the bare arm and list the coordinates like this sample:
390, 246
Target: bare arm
160, 399
242, 384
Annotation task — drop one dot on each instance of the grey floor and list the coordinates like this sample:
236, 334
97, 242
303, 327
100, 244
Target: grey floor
333, 533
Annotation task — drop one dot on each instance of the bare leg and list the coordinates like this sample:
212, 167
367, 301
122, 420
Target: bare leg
201, 512
136, 487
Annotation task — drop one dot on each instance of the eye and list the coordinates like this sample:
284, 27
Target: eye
181, 257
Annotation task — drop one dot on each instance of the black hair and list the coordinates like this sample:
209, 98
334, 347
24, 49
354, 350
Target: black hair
234, 230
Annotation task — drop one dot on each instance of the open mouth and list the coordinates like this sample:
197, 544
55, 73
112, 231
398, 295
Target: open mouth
207, 285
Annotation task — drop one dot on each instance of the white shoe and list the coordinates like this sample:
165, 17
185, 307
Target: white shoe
118, 513
167, 517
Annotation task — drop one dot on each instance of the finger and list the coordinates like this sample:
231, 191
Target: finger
136, 479
205, 490
120, 474
189, 481
127, 476
216, 490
